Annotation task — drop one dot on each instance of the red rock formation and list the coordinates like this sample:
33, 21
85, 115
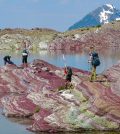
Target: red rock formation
34, 93
101, 38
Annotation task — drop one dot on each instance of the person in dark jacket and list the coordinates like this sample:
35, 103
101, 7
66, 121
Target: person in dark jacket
6, 59
68, 74
95, 61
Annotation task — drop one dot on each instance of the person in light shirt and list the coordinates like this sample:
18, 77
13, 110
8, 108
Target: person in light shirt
24, 57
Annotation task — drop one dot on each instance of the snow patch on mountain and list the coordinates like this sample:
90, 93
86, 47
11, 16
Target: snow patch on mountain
104, 15
117, 18
110, 6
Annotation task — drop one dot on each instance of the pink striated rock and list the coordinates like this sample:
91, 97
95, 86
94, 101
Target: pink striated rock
24, 81
18, 106
101, 38
34, 93
65, 44
40, 124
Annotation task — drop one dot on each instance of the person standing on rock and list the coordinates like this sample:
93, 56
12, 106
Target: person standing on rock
68, 73
94, 63
25, 56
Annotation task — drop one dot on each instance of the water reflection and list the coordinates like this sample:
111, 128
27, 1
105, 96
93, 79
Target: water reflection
75, 59
85, 132
11, 127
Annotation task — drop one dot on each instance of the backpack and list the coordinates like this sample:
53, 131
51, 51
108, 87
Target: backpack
69, 71
95, 60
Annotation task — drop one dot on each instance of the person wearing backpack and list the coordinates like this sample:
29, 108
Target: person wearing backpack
95, 61
68, 74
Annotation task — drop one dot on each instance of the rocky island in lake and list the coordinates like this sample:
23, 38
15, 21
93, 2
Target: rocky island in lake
38, 93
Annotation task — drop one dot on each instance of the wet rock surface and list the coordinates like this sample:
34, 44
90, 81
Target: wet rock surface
38, 92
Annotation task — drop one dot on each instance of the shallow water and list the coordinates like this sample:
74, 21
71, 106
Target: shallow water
12, 126
93, 132
79, 60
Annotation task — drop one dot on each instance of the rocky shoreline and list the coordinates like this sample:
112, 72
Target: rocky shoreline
105, 36
38, 93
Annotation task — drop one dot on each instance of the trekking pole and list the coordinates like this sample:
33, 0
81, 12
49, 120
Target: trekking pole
89, 67
64, 61
64, 64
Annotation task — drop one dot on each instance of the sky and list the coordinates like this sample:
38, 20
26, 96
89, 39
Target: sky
54, 14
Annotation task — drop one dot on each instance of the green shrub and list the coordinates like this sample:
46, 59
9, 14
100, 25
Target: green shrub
61, 88
37, 109
98, 26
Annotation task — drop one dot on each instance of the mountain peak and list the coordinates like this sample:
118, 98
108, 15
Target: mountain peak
99, 16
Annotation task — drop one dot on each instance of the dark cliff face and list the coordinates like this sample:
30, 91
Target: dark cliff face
101, 15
